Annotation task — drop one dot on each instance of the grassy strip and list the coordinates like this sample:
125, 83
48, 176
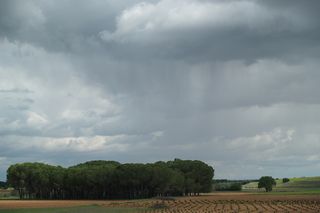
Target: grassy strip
10, 198
306, 192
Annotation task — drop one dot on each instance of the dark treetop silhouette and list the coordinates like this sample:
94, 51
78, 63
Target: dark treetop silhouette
110, 180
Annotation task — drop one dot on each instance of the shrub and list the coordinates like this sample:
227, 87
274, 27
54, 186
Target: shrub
285, 180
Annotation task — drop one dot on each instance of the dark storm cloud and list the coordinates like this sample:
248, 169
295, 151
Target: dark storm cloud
146, 81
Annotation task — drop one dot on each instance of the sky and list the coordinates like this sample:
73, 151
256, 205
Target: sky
233, 83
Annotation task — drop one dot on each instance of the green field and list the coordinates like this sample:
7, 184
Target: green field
82, 209
301, 185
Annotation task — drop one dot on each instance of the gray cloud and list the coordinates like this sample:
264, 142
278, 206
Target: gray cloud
214, 30
233, 83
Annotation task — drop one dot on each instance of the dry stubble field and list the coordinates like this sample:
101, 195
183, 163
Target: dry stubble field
222, 202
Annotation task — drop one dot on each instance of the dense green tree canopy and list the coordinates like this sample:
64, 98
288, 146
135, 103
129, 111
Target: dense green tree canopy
110, 179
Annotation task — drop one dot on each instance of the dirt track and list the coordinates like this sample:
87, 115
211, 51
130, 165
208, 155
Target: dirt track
220, 202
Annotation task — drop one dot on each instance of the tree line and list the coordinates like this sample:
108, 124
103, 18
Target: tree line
110, 180
229, 185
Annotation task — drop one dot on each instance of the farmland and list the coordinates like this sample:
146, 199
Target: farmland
156, 188
302, 185
217, 202
297, 195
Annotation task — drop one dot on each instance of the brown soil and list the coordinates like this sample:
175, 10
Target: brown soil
220, 202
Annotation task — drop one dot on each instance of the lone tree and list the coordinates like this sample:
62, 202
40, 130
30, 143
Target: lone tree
266, 182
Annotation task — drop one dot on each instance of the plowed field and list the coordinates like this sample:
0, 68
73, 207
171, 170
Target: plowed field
202, 204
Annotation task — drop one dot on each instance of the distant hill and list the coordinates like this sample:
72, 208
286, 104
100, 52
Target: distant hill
295, 185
